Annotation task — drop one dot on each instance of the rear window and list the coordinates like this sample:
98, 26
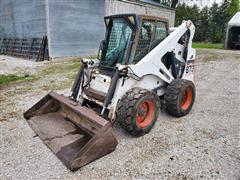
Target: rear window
151, 34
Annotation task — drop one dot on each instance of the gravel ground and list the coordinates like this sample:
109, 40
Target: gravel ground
202, 145
13, 65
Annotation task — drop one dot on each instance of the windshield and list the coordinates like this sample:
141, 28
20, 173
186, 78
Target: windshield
118, 40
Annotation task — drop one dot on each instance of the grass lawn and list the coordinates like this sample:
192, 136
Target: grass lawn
68, 70
207, 45
11, 78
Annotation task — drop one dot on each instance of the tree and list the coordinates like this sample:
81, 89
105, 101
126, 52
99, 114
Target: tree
184, 12
234, 7
170, 3
210, 22
174, 3
218, 19
202, 26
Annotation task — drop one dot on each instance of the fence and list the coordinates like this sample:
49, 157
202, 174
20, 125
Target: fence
29, 48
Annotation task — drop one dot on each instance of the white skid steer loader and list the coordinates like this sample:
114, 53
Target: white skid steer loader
138, 63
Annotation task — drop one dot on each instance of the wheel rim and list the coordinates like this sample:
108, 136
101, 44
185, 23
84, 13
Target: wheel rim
145, 113
186, 99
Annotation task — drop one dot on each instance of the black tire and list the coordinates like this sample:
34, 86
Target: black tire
135, 106
179, 97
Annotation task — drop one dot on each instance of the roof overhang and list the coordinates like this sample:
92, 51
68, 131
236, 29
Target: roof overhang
235, 21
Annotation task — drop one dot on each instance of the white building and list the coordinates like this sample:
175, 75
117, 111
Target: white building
71, 27
232, 40
201, 3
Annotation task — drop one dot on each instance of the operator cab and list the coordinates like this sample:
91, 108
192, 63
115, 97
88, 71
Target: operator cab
129, 37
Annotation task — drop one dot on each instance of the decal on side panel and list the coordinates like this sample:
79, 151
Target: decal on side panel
190, 67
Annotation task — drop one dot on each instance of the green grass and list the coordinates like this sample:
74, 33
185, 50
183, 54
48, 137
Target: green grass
67, 69
207, 45
6, 79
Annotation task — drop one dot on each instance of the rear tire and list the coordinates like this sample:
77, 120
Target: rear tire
179, 97
138, 111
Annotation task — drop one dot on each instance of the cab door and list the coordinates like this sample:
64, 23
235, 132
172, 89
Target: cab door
152, 31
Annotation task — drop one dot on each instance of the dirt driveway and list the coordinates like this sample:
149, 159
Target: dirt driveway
204, 144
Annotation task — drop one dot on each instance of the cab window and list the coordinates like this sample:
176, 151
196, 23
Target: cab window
145, 37
152, 32
160, 33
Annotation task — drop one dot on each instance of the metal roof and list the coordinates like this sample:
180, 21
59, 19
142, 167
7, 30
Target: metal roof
235, 21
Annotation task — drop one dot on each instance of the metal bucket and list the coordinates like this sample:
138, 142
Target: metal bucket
76, 134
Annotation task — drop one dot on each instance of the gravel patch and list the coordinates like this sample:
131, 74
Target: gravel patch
19, 66
202, 145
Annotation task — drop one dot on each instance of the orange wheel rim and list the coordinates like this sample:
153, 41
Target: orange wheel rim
145, 114
187, 99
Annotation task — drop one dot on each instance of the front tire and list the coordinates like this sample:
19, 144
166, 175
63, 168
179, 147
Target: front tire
138, 111
180, 96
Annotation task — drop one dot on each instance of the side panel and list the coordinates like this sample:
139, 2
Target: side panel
189, 68
152, 61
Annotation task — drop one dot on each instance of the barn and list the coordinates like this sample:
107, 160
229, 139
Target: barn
45, 29
232, 40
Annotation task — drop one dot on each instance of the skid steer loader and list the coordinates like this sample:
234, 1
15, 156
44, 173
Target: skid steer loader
138, 63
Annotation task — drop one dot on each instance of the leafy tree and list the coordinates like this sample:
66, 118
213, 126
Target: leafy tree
202, 26
218, 19
174, 3
234, 7
170, 3
210, 22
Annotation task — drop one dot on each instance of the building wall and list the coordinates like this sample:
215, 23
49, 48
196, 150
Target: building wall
123, 6
75, 27
22, 18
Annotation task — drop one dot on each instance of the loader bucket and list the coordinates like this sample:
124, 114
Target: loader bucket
76, 134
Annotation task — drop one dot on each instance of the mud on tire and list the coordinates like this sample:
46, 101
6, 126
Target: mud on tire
138, 111
179, 97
